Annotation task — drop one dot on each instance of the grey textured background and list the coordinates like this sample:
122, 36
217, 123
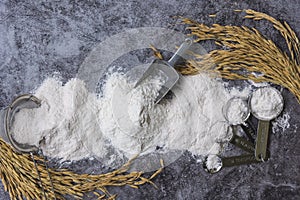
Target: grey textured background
38, 39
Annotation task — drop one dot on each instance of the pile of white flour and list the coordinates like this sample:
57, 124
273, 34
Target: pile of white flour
72, 123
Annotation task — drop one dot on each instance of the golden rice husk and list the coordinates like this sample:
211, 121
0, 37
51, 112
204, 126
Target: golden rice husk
247, 52
20, 178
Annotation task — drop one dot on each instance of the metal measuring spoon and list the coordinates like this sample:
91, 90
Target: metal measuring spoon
232, 161
244, 123
244, 144
263, 109
220, 162
236, 112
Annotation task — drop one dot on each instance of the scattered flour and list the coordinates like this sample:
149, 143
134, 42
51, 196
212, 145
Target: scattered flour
281, 123
73, 123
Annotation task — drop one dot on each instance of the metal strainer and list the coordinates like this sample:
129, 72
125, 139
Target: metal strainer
24, 101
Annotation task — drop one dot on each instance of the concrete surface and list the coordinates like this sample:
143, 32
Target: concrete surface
38, 39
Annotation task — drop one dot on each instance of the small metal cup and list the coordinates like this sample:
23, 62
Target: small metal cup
226, 109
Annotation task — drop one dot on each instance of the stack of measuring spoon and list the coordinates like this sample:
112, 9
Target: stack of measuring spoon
265, 104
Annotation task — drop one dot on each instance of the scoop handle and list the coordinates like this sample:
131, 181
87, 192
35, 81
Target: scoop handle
180, 51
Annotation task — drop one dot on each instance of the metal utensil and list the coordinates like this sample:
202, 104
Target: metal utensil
239, 160
244, 114
241, 142
248, 128
14, 107
7, 115
164, 70
261, 153
232, 161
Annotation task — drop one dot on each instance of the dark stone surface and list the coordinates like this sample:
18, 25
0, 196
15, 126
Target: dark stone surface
38, 38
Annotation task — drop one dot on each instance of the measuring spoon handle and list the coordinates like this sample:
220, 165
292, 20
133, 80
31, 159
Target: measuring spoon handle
249, 130
262, 140
239, 160
242, 143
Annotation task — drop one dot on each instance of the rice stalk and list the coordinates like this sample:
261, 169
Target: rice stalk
20, 178
247, 54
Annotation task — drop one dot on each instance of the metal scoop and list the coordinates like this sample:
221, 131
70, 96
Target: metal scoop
164, 70
261, 153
